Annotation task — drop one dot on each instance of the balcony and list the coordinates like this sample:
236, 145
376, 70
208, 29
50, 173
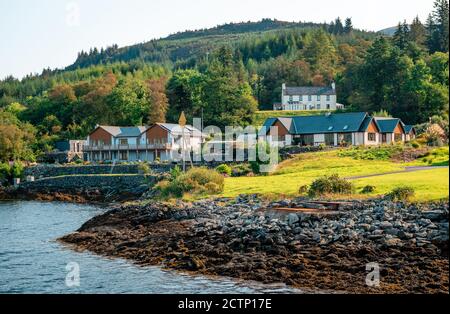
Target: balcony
94, 148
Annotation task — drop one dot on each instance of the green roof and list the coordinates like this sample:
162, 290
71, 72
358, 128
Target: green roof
387, 125
329, 123
325, 123
408, 128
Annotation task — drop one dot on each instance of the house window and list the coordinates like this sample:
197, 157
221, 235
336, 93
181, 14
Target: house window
307, 140
329, 139
398, 137
383, 138
345, 139
301, 98
309, 98
124, 155
123, 141
372, 137
328, 98
291, 98
318, 106
318, 98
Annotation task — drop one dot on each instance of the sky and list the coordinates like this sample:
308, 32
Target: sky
37, 34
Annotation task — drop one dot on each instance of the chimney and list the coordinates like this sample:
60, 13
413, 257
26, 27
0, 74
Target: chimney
333, 85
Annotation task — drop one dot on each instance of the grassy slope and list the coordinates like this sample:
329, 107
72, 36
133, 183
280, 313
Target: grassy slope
428, 184
303, 169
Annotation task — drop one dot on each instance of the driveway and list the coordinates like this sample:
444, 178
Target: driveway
407, 169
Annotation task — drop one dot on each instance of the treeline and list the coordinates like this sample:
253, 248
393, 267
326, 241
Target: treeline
406, 75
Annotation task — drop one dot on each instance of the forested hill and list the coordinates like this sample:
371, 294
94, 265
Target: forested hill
185, 48
226, 74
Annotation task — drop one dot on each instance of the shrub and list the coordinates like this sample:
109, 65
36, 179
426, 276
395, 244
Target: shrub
402, 193
17, 170
269, 152
240, 170
224, 169
330, 185
195, 181
368, 189
415, 144
144, 168
5, 173
303, 189
175, 172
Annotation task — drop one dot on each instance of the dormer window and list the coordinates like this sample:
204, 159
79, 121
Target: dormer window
318, 97
345, 127
309, 98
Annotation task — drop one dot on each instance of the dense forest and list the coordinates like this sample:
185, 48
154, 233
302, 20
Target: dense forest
227, 73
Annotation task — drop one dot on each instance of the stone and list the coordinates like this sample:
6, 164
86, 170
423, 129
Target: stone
292, 219
316, 237
386, 225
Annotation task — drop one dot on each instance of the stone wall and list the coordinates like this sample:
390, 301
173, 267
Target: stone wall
99, 187
45, 171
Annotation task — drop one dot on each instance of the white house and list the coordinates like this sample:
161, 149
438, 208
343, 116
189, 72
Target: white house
308, 98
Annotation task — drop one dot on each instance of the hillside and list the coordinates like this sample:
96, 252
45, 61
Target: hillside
185, 48
388, 31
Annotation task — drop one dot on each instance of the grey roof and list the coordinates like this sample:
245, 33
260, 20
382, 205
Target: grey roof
287, 122
387, 125
309, 90
124, 131
177, 129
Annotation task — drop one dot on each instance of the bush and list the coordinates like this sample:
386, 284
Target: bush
303, 189
224, 169
5, 173
415, 144
402, 193
175, 172
195, 181
368, 189
144, 168
17, 170
330, 185
240, 170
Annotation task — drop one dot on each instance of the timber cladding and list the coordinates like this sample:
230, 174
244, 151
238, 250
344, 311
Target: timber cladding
399, 129
282, 131
372, 128
157, 134
100, 136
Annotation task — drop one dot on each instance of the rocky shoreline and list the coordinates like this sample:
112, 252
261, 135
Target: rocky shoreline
249, 239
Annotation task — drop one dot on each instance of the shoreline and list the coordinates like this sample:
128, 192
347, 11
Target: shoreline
234, 238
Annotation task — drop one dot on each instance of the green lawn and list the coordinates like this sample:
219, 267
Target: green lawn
428, 184
303, 169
